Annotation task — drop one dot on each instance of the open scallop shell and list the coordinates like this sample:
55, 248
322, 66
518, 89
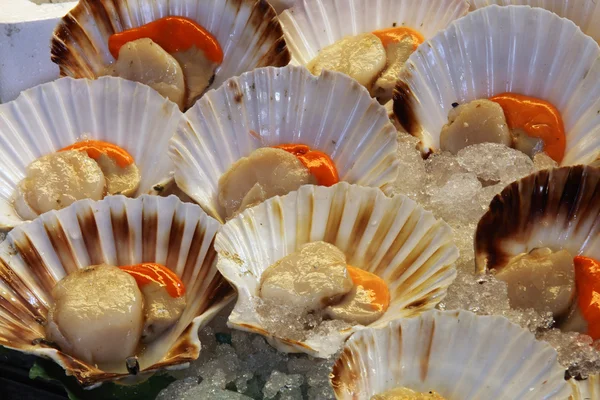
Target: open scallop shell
51, 116
505, 49
271, 106
584, 13
116, 231
588, 389
556, 208
456, 353
311, 25
247, 30
393, 238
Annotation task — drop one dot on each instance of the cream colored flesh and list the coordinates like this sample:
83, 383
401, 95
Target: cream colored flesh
161, 311
363, 57
479, 121
355, 307
57, 180
265, 173
97, 315
575, 322
397, 54
308, 278
402, 393
146, 62
119, 180
198, 72
542, 280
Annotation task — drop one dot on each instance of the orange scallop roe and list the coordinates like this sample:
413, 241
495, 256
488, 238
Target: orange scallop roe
95, 148
377, 288
319, 164
150, 272
587, 280
399, 34
537, 118
173, 34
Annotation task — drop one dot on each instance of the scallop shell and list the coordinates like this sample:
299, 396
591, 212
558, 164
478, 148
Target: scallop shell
51, 116
116, 231
393, 238
247, 30
584, 13
456, 353
281, 5
556, 208
505, 49
271, 106
588, 389
311, 25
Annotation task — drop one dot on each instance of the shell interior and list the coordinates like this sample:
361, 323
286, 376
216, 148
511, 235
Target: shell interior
54, 115
494, 50
247, 30
556, 208
455, 353
116, 231
311, 25
393, 238
271, 106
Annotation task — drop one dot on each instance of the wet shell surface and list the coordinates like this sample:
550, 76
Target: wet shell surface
584, 13
247, 30
270, 106
588, 389
556, 208
456, 353
116, 231
54, 115
393, 238
493, 50
311, 25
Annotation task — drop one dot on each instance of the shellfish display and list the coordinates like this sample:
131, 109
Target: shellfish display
305, 200
370, 42
64, 298
180, 49
437, 352
324, 129
396, 252
533, 103
73, 139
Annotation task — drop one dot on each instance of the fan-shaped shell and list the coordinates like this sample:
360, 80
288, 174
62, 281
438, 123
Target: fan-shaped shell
271, 106
116, 231
393, 238
516, 49
247, 30
455, 353
556, 208
311, 25
54, 115
584, 13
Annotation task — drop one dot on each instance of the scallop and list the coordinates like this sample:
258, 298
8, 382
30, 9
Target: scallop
56, 181
409, 252
198, 71
308, 278
456, 354
59, 269
146, 62
363, 57
534, 228
265, 173
97, 315
486, 54
397, 54
478, 121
